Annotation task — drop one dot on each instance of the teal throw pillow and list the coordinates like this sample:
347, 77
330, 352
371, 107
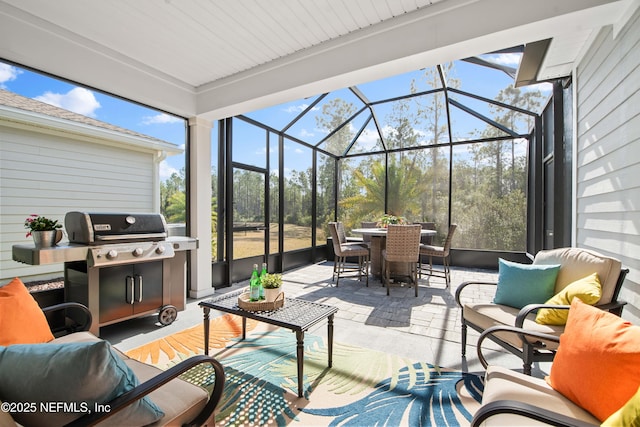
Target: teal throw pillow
62, 382
522, 284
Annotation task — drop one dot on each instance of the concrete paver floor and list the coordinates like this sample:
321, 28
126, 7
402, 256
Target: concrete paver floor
424, 328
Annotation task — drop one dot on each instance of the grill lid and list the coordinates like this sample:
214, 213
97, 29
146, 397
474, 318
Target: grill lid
97, 228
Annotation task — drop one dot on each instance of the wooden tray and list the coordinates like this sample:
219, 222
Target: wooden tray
245, 303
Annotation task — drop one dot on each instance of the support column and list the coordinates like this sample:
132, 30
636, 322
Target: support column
200, 206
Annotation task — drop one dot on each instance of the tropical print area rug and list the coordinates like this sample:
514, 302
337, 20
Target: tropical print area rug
363, 388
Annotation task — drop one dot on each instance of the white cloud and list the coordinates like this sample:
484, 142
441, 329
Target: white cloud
78, 100
8, 73
512, 59
165, 170
296, 109
368, 139
545, 88
161, 118
305, 134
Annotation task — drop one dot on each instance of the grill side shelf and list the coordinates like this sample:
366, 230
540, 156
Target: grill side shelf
29, 254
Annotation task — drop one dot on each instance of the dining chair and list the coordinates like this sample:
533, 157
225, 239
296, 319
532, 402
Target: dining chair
441, 252
343, 250
427, 239
402, 246
366, 238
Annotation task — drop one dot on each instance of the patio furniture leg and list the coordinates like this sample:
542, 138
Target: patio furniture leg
447, 271
244, 327
387, 276
300, 357
206, 330
464, 339
366, 268
330, 339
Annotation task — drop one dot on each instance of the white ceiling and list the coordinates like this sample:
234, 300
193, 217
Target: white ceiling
218, 58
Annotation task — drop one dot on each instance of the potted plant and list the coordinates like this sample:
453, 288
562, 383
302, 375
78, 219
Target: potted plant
390, 219
271, 284
45, 232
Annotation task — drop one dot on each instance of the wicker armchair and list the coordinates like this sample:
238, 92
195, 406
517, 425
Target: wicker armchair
441, 252
366, 238
344, 249
403, 243
427, 239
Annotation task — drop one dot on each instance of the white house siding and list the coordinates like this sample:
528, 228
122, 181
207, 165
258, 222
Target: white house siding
608, 152
51, 173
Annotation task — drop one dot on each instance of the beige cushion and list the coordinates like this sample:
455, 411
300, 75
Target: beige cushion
179, 400
577, 263
487, 315
504, 384
77, 337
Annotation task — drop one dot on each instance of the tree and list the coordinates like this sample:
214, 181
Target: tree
173, 198
433, 118
333, 114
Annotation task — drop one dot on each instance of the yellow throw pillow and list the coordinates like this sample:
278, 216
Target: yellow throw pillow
588, 289
21, 319
628, 415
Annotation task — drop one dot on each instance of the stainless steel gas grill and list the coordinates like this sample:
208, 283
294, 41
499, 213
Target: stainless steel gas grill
119, 265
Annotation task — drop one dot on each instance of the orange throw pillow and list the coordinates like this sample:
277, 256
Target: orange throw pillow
597, 365
21, 319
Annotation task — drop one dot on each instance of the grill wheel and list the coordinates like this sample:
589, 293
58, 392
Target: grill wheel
167, 315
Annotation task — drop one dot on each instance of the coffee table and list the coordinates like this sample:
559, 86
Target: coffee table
296, 314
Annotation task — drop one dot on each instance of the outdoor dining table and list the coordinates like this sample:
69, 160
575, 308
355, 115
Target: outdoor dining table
378, 243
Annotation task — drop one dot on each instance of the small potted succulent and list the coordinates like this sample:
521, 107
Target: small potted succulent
390, 219
45, 232
272, 284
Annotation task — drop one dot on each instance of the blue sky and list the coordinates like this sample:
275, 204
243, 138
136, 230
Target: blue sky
98, 106
480, 80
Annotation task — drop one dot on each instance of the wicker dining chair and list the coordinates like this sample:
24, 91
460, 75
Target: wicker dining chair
367, 237
441, 252
402, 246
342, 250
427, 239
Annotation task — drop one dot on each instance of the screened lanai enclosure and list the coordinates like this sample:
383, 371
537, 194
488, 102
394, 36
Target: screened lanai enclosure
460, 143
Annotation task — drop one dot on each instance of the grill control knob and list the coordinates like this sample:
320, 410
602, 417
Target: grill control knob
138, 252
112, 254
160, 250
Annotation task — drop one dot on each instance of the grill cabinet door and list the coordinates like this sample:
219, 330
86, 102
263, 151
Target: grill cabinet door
148, 286
126, 290
115, 292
